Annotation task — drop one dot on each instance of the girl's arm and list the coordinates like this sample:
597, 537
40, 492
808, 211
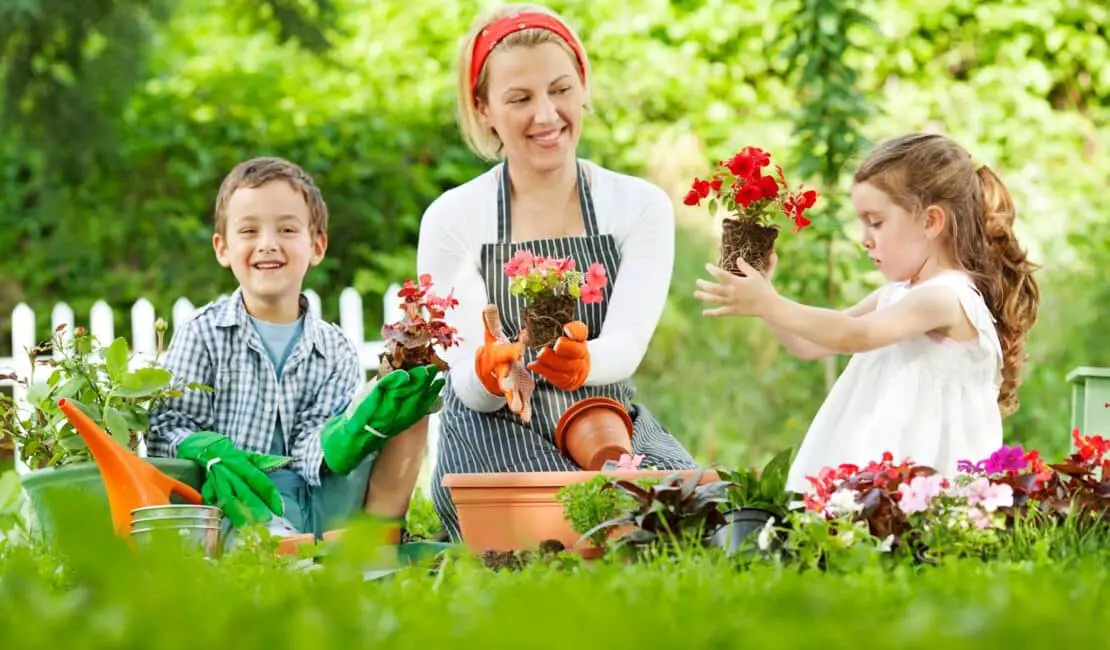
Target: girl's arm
923, 310
841, 332
800, 347
807, 349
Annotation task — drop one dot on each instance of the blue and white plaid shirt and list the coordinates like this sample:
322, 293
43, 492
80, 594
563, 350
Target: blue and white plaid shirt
218, 347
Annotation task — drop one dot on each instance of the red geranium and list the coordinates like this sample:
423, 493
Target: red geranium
742, 187
423, 321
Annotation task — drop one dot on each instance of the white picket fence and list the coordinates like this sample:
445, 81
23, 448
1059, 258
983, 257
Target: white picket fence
26, 333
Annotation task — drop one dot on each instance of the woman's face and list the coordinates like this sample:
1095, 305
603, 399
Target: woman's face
536, 101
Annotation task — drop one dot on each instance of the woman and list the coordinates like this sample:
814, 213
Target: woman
523, 90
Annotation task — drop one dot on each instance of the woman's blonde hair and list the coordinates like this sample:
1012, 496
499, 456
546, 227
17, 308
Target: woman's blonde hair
480, 138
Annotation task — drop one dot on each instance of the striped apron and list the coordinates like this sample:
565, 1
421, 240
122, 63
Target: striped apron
472, 442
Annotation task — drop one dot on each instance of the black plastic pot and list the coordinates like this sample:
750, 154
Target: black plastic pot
739, 525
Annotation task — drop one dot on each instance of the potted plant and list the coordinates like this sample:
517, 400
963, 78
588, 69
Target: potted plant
753, 201
519, 511
588, 504
411, 341
680, 509
755, 497
100, 382
551, 288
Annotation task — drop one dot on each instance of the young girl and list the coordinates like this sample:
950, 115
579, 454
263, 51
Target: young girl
937, 351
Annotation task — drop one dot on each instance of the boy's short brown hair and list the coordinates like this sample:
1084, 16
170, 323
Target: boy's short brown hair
259, 171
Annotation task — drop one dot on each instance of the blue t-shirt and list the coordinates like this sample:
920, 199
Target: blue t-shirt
278, 339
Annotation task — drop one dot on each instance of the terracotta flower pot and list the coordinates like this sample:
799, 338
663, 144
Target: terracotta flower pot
593, 431
292, 544
516, 511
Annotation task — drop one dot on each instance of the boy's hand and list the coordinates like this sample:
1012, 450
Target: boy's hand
235, 480
395, 403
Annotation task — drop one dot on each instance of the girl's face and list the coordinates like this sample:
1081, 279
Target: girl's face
536, 101
900, 243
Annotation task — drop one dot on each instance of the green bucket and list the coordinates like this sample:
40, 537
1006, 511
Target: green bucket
82, 482
421, 552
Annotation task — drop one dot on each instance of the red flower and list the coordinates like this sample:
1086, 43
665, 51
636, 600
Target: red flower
740, 166
748, 194
800, 222
767, 186
759, 157
1090, 448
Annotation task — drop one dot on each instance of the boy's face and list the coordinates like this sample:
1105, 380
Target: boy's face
269, 246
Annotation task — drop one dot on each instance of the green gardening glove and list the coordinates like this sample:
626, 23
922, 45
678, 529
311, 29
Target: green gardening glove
395, 403
235, 480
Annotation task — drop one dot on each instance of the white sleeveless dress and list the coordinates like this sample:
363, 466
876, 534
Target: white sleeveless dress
930, 399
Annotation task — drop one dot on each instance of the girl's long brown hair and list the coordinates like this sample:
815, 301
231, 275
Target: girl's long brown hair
924, 169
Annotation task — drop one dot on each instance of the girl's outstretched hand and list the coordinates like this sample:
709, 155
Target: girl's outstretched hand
736, 296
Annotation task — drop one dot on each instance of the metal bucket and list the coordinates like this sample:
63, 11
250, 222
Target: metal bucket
174, 522
205, 538
174, 511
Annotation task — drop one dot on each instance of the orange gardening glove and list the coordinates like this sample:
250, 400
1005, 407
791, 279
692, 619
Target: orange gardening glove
500, 366
567, 363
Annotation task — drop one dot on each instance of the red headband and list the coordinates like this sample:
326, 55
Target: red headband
493, 33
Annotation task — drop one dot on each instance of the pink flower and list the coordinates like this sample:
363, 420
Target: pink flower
919, 493
595, 276
630, 462
989, 496
520, 264
591, 294
979, 518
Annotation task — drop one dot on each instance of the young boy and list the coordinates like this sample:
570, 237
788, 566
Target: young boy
278, 434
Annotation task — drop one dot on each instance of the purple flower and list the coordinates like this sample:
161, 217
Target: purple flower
1006, 459
967, 467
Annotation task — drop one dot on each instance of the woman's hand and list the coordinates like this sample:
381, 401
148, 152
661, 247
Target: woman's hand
566, 364
749, 295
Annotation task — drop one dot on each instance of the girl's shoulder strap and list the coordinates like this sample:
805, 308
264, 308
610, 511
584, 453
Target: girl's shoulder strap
974, 306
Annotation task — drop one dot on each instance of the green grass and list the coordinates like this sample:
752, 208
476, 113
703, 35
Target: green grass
105, 595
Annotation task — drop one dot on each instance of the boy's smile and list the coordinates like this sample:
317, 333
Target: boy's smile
269, 244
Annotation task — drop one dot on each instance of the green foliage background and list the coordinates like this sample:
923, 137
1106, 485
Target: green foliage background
121, 117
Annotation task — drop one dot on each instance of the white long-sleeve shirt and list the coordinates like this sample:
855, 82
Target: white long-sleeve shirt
639, 216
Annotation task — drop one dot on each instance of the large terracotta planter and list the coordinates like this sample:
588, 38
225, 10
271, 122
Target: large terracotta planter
594, 430
514, 511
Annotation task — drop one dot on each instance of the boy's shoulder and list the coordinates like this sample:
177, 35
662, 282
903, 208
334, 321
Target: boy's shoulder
213, 313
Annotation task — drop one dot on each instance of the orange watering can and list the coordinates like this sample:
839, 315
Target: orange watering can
131, 482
